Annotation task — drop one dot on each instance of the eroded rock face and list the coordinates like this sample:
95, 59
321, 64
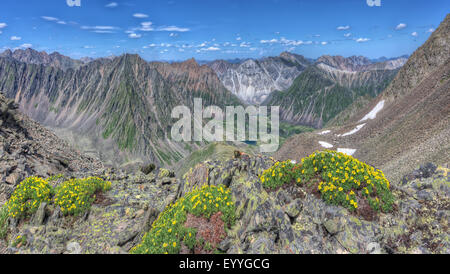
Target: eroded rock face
253, 80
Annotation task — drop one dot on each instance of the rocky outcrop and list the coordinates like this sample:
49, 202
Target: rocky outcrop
290, 220
116, 221
286, 220
27, 149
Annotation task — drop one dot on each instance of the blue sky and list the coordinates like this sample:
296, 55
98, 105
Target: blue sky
220, 29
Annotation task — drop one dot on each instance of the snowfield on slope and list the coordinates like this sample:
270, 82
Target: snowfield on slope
373, 113
353, 131
348, 151
325, 144
324, 132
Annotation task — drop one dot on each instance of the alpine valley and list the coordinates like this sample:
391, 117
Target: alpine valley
88, 165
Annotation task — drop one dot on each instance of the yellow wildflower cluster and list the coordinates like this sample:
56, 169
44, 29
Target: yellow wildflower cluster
75, 196
28, 196
343, 180
277, 175
168, 230
346, 180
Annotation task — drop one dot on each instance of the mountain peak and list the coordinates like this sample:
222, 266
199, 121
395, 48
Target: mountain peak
191, 63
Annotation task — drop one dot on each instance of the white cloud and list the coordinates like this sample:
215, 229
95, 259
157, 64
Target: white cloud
238, 39
173, 28
348, 34
269, 41
102, 31
288, 42
134, 35
431, 30
16, 38
49, 18
88, 47
98, 27
244, 45
61, 22
146, 26
112, 5
362, 40
3, 25
210, 49
343, 27
173, 34
25, 46
140, 15
400, 26
324, 43
415, 34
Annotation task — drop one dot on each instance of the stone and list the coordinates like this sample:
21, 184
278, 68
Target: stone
73, 248
39, 215
374, 248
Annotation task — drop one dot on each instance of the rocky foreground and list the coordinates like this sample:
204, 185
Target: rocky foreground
287, 220
28, 149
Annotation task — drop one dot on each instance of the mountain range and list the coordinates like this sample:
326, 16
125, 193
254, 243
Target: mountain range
120, 107
330, 85
406, 125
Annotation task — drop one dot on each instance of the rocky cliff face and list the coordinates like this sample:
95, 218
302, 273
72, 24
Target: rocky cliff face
253, 80
121, 105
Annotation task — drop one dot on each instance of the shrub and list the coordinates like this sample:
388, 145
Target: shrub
277, 175
343, 180
28, 196
168, 231
75, 196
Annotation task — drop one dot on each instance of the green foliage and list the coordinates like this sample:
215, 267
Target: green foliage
19, 241
28, 196
277, 175
3, 222
75, 196
168, 231
341, 180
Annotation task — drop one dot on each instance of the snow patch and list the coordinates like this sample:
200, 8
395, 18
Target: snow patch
325, 144
373, 113
324, 132
348, 151
353, 131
